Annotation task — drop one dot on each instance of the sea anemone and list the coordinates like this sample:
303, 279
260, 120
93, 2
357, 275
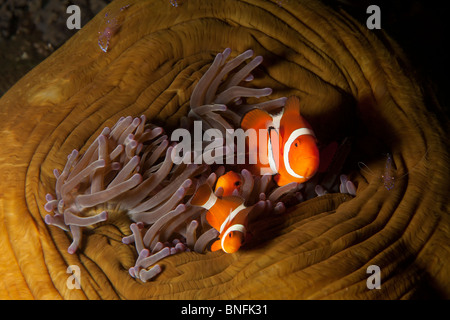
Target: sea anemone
218, 98
126, 170
129, 170
89, 187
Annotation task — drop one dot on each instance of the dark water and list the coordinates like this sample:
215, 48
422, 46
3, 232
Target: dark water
420, 28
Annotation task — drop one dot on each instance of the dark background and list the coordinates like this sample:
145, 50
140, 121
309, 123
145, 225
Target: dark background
420, 27
31, 30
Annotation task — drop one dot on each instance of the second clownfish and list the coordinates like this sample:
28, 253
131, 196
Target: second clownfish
289, 150
228, 215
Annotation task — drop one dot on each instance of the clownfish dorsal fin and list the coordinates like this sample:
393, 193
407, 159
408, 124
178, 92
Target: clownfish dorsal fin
256, 119
292, 105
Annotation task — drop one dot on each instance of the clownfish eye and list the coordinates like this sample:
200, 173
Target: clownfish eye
296, 144
229, 235
237, 183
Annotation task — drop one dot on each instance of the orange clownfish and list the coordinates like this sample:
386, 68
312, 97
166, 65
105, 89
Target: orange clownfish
288, 150
229, 182
228, 215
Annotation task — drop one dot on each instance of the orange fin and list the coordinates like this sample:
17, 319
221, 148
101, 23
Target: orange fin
256, 119
292, 105
216, 246
276, 178
201, 195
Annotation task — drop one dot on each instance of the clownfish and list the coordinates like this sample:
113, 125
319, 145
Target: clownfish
288, 150
228, 215
229, 182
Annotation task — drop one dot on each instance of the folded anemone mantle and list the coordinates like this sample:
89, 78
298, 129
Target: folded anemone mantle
351, 83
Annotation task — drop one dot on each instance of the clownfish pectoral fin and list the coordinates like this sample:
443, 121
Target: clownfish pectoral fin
256, 119
216, 246
276, 178
248, 238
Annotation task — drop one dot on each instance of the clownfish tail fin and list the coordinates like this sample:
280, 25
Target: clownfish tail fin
202, 195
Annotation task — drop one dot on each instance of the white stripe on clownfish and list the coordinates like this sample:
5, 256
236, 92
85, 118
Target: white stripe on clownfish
231, 216
222, 214
270, 155
276, 120
211, 201
306, 159
234, 227
287, 147
294, 135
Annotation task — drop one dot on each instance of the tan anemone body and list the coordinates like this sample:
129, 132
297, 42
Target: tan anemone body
349, 82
